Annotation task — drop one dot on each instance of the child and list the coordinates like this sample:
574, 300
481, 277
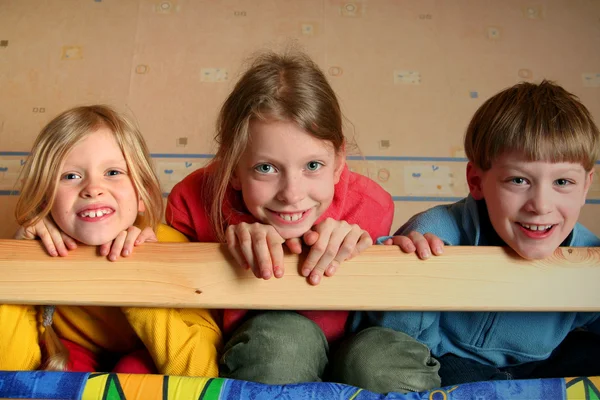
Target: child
279, 174
531, 151
89, 178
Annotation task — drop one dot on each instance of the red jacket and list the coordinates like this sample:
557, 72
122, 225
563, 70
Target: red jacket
356, 200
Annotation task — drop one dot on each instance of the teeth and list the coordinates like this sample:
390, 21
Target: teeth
291, 217
95, 213
536, 227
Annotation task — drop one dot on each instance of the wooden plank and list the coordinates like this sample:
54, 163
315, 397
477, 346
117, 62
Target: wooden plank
382, 278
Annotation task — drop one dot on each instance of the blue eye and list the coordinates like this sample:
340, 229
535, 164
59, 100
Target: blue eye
113, 172
264, 168
518, 181
71, 176
562, 182
313, 165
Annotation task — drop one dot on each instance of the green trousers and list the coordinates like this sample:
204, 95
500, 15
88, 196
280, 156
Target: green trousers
282, 347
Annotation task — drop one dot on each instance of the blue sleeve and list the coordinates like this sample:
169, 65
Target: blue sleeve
583, 237
594, 326
440, 221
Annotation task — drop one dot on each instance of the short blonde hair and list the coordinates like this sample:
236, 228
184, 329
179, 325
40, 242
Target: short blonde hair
542, 121
41, 172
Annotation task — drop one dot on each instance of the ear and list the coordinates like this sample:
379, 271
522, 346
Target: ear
474, 180
141, 206
235, 181
588, 183
340, 162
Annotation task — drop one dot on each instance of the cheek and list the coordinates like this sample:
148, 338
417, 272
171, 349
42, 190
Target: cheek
256, 193
324, 190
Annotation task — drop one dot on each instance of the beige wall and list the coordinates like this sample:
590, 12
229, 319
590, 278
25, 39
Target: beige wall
409, 74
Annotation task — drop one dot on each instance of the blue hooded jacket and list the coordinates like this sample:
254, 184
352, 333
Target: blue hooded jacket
500, 339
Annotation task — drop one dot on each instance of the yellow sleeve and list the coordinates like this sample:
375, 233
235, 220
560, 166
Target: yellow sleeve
165, 233
19, 338
181, 341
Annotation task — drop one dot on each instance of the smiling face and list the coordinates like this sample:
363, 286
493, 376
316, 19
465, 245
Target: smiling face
287, 176
532, 205
95, 197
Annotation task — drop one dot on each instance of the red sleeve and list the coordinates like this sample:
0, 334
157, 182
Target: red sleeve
362, 201
177, 213
383, 225
186, 209
380, 215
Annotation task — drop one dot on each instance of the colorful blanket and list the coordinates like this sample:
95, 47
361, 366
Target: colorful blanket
108, 386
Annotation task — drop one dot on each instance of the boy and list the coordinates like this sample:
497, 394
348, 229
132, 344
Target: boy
531, 151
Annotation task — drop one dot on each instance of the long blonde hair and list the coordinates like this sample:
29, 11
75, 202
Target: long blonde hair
282, 87
41, 174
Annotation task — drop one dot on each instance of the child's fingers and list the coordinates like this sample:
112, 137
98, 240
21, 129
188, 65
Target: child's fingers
245, 246
105, 249
276, 250
346, 242
422, 245
354, 243
317, 250
364, 242
146, 236
68, 241
47, 241
117, 246
262, 255
234, 248
332, 269
295, 245
131, 237
311, 237
333, 247
51, 237
435, 243
406, 244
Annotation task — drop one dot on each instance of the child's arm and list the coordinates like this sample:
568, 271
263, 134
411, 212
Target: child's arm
57, 242
19, 338
181, 342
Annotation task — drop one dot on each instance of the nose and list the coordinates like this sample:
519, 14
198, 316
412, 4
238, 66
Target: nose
92, 189
540, 201
292, 189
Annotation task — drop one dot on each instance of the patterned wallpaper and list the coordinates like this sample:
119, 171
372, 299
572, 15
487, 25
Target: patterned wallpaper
409, 74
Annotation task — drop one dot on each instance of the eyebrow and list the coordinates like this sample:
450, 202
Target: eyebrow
560, 171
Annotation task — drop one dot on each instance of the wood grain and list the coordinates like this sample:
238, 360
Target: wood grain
382, 278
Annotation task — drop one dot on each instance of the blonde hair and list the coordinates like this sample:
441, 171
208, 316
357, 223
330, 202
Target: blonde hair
542, 121
41, 174
280, 87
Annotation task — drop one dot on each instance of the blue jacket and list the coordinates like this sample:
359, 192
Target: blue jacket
495, 338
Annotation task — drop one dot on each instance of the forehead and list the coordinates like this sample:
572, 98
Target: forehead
98, 146
284, 139
517, 160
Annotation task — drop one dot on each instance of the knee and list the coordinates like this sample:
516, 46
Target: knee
383, 360
276, 348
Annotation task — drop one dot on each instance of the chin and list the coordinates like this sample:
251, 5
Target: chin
94, 240
292, 233
535, 255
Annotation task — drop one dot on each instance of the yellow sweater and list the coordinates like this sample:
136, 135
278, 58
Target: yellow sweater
181, 342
